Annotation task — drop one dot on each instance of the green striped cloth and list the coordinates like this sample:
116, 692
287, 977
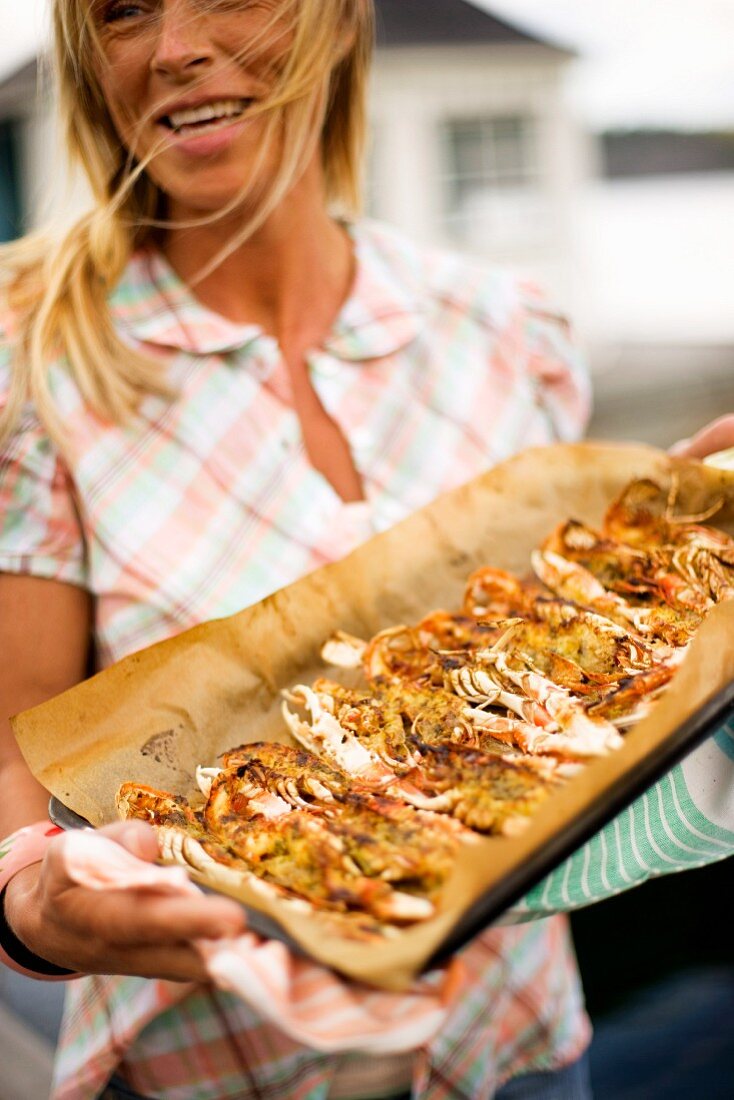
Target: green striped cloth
685, 820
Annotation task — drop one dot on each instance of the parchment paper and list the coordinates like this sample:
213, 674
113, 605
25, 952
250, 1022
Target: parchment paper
154, 716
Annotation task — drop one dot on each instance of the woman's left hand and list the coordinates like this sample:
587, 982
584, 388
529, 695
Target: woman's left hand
716, 436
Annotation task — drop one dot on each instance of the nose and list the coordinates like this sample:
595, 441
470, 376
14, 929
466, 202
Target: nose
182, 43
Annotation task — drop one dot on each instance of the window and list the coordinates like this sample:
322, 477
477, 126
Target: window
491, 167
10, 213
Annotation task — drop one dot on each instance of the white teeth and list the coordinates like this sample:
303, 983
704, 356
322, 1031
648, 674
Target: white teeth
208, 112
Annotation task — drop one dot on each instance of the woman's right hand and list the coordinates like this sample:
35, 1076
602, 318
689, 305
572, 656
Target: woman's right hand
116, 931
46, 626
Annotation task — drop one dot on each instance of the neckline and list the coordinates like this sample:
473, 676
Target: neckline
381, 314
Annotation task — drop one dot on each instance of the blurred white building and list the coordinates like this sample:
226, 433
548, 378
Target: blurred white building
474, 145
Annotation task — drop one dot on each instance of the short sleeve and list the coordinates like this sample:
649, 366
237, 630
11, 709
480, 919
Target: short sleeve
40, 529
556, 366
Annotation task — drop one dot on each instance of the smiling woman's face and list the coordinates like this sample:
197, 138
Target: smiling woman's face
181, 79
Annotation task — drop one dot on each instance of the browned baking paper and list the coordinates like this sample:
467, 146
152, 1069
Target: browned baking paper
154, 716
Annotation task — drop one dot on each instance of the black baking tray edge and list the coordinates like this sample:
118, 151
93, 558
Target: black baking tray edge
489, 908
616, 798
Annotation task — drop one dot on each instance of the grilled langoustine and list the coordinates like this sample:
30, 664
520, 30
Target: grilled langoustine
614, 673
488, 793
496, 594
639, 587
183, 837
306, 783
311, 857
246, 833
489, 679
382, 835
697, 560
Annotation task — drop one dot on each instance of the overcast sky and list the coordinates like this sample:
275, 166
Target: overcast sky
642, 62
654, 62
20, 30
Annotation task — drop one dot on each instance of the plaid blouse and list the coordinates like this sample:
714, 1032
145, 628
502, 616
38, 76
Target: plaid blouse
435, 369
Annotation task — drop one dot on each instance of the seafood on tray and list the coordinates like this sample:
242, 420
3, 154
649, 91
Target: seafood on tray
462, 723
271, 821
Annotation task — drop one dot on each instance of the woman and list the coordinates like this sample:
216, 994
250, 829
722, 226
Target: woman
211, 386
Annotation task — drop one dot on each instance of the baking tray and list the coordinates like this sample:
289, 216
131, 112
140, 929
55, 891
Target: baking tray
490, 908
157, 714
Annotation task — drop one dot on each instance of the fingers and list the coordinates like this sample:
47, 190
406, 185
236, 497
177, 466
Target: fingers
130, 932
717, 436
120, 931
144, 917
137, 918
175, 963
181, 963
138, 838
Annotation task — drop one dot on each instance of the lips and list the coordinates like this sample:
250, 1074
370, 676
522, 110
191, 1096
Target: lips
205, 116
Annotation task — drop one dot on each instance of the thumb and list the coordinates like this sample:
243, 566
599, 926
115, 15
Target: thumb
135, 836
716, 436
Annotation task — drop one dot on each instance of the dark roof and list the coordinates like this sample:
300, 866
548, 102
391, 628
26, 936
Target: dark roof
629, 153
19, 87
441, 22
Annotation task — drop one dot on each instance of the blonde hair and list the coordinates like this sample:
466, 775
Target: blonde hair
57, 289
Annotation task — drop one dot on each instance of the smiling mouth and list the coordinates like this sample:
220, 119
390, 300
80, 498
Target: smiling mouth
210, 116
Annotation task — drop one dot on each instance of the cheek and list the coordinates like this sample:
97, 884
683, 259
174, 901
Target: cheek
255, 42
123, 81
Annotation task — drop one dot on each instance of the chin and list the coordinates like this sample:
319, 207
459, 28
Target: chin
206, 188
202, 197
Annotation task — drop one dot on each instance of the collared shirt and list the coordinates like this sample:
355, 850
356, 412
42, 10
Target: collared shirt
434, 370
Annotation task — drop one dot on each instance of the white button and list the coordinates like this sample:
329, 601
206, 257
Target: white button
361, 439
263, 368
327, 368
268, 345
266, 356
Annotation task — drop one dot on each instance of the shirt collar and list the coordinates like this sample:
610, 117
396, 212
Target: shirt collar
383, 313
